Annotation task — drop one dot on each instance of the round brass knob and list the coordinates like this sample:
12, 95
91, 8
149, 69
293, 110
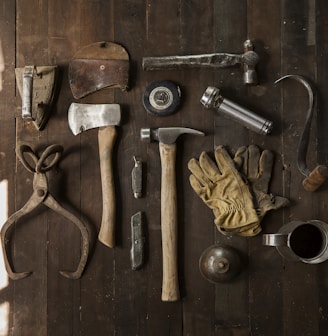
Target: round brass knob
219, 263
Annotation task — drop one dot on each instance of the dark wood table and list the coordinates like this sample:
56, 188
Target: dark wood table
271, 296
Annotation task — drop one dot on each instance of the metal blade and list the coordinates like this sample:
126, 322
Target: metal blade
82, 117
137, 240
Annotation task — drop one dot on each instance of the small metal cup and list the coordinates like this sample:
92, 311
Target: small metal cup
301, 241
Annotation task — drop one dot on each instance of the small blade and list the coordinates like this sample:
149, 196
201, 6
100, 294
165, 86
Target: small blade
136, 177
82, 117
138, 241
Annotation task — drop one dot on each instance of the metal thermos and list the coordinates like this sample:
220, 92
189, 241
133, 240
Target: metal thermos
212, 99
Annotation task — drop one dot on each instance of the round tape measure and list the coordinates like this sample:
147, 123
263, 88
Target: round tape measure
161, 98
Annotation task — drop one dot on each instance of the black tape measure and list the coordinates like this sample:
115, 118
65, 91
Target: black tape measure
161, 98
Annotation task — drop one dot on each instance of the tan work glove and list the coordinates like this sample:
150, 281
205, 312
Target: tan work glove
224, 191
257, 168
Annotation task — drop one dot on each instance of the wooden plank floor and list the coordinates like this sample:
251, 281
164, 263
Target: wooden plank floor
271, 296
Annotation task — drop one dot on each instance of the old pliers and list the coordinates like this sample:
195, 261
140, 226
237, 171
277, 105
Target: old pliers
41, 195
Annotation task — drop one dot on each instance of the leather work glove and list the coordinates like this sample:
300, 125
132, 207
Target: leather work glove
223, 190
257, 168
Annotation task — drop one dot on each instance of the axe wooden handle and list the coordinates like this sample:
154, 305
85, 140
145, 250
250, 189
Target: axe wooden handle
170, 285
106, 140
316, 178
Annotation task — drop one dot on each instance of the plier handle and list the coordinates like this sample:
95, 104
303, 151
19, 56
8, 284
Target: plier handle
41, 195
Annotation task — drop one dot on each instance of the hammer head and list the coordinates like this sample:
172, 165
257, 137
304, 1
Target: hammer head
166, 135
249, 61
82, 117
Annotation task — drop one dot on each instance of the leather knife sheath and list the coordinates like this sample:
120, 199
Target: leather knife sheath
88, 76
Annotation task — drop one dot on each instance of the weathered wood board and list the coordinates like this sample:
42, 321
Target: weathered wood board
271, 296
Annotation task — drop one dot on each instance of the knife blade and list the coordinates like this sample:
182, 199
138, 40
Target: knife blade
137, 241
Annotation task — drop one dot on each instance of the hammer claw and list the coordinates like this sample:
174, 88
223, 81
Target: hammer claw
166, 137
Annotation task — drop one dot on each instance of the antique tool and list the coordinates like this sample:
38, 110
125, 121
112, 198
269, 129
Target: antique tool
97, 66
315, 178
212, 99
219, 263
42, 195
248, 61
301, 241
82, 117
137, 241
167, 137
161, 98
136, 177
36, 86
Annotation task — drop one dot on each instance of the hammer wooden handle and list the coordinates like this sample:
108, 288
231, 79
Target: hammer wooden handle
106, 140
170, 285
316, 178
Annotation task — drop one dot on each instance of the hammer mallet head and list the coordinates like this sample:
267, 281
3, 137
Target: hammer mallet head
249, 61
166, 135
82, 117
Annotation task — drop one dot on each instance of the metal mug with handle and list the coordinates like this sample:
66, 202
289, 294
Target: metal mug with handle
301, 241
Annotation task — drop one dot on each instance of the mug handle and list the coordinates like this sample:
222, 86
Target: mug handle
275, 239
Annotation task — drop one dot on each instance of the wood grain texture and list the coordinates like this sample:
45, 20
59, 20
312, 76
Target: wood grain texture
321, 29
271, 296
294, 43
231, 299
169, 223
265, 265
106, 142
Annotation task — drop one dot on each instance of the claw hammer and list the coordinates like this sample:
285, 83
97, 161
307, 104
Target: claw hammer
167, 137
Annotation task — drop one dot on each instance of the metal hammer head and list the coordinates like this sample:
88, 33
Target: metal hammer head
82, 117
166, 135
249, 60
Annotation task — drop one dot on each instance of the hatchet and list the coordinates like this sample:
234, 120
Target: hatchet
98, 66
82, 117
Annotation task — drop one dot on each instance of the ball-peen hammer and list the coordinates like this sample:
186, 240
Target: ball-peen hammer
248, 61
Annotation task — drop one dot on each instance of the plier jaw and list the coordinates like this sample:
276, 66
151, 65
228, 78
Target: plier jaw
41, 195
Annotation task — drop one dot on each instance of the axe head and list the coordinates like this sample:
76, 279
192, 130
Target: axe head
97, 66
82, 117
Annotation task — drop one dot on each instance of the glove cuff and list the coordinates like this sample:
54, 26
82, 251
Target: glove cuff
235, 218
